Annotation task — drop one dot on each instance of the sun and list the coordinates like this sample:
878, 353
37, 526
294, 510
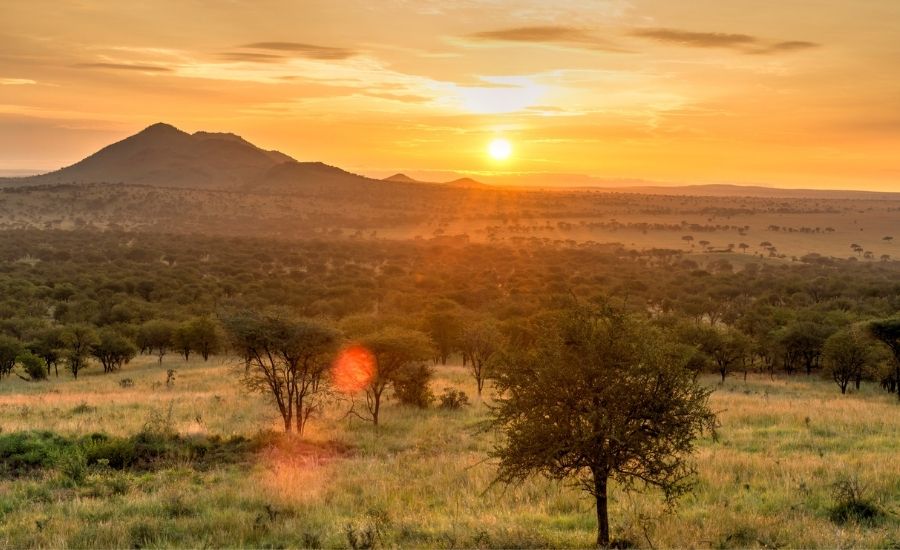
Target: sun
499, 149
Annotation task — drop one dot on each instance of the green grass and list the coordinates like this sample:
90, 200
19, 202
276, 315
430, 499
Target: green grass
421, 479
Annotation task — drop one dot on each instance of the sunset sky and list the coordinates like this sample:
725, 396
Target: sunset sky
789, 93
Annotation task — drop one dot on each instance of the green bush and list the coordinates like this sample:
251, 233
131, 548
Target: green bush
22, 452
453, 399
411, 386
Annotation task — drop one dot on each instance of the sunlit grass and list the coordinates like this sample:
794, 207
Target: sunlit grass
422, 477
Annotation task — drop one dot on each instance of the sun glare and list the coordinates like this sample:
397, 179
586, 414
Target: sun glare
353, 369
499, 149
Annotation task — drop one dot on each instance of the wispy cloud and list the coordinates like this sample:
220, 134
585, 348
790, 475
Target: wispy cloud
310, 51
16, 81
550, 34
125, 67
789, 46
740, 42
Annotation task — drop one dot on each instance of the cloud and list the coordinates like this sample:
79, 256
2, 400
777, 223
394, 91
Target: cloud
789, 46
740, 42
550, 34
310, 51
16, 81
252, 57
124, 67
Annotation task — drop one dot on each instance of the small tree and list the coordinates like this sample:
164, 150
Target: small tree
48, 344
204, 337
481, 341
10, 348
395, 350
444, 326
287, 359
113, 350
156, 334
79, 341
601, 395
847, 356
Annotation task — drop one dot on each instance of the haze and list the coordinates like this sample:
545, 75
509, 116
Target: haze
794, 94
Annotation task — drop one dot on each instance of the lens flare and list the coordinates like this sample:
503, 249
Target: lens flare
353, 369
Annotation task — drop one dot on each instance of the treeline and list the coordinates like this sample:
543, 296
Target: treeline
72, 299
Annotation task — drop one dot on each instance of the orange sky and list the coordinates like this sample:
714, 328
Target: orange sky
791, 93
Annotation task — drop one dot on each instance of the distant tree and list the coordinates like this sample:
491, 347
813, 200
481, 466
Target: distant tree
79, 340
182, 340
802, 343
725, 348
846, 356
444, 326
158, 335
10, 348
113, 350
395, 350
205, 337
600, 396
48, 344
481, 341
887, 331
286, 358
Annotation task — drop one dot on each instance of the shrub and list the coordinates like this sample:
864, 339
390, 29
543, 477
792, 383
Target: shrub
411, 386
22, 452
852, 506
72, 464
33, 366
453, 399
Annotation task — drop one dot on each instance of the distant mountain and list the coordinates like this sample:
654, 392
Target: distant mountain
466, 182
401, 178
162, 155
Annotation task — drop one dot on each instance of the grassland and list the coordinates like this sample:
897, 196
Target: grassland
422, 478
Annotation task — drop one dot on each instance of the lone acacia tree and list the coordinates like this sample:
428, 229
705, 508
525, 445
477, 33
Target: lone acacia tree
286, 358
600, 396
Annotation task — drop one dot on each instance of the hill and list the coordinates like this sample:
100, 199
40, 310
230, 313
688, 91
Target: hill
162, 155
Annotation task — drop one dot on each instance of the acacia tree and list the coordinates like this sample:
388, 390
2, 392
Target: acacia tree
444, 325
48, 344
887, 331
480, 344
846, 356
156, 334
79, 340
113, 350
600, 396
10, 348
286, 358
396, 351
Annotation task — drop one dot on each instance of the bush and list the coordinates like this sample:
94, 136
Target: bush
32, 365
411, 386
116, 453
453, 399
22, 452
851, 506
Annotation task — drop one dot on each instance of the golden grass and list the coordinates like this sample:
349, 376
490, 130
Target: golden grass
423, 480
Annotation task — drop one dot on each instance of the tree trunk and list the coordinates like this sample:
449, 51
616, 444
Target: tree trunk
375, 409
600, 480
